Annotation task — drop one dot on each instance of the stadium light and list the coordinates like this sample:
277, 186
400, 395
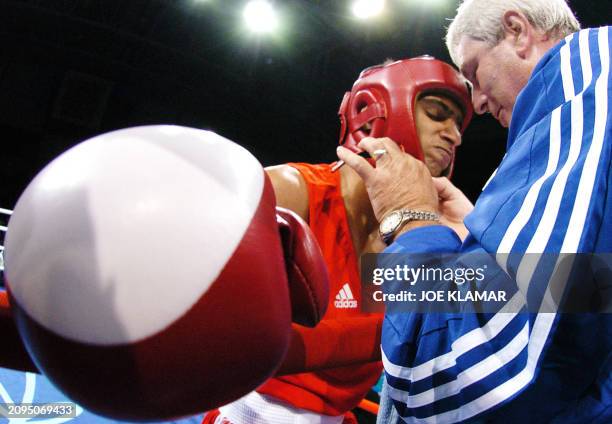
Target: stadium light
364, 9
260, 16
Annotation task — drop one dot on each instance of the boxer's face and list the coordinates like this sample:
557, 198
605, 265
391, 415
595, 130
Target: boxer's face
438, 122
497, 76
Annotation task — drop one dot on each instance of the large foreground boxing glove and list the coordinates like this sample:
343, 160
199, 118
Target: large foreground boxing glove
146, 273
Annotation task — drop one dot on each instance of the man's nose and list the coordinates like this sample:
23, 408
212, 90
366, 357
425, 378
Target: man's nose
479, 100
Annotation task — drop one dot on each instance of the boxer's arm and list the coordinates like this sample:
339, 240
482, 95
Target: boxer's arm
290, 189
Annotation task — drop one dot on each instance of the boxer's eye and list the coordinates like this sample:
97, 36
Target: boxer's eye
439, 111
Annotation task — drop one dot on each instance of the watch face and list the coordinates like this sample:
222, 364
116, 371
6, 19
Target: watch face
390, 222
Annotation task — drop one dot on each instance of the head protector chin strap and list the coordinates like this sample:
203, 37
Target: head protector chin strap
384, 97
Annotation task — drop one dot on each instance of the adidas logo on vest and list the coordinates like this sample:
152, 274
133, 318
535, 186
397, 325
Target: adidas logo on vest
344, 298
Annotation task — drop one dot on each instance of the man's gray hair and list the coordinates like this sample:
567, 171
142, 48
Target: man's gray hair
482, 20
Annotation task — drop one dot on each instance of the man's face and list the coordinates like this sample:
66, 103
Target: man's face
438, 122
497, 76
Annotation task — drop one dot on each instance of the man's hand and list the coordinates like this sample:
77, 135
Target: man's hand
398, 180
453, 206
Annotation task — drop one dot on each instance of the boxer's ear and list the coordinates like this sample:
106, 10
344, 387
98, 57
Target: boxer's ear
519, 31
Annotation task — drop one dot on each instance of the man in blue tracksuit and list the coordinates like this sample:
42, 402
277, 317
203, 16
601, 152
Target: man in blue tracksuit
551, 194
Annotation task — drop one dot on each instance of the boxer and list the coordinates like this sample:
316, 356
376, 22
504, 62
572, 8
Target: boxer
424, 105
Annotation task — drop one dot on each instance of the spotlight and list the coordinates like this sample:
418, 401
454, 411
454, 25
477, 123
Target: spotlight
260, 16
364, 9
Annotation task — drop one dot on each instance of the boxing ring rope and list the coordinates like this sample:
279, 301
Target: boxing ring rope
5, 214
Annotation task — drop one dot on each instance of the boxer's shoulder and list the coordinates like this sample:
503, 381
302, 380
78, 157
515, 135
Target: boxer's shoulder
290, 189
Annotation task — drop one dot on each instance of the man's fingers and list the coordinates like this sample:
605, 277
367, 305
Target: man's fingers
458, 204
359, 164
443, 186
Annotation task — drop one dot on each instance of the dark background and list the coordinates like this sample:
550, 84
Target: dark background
73, 69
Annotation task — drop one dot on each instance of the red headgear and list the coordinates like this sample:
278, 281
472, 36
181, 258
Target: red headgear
385, 96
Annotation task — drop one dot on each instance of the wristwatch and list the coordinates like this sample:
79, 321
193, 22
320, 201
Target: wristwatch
393, 221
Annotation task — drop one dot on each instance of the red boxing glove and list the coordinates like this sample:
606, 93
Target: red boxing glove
306, 269
147, 275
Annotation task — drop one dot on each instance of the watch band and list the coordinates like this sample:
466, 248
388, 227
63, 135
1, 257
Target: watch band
407, 216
